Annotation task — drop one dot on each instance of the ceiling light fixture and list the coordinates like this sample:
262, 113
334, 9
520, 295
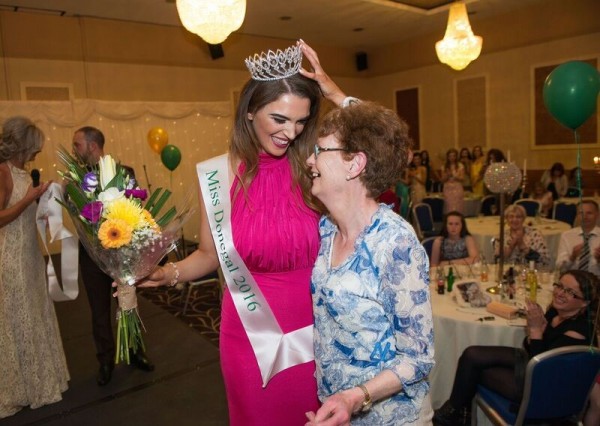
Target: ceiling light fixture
460, 46
213, 20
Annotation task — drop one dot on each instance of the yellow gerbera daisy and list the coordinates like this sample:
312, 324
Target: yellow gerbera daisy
114, 233
149, 219
126, 211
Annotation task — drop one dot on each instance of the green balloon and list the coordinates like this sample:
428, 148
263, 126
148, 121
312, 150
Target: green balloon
570, 93
171, 157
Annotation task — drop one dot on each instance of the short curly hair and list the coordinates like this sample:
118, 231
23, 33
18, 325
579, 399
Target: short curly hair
20, 139
379, 133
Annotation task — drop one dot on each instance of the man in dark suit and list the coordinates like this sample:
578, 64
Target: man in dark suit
88, 144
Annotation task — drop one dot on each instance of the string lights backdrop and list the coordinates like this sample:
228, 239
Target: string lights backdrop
199, 130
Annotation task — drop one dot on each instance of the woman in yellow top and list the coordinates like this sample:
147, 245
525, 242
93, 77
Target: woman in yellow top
476, 176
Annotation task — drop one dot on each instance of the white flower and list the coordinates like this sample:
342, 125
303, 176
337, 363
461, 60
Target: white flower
108, 170
110, 195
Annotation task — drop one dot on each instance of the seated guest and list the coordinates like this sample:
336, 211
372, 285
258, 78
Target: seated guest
569, 320
592, 414
373, 331
455, 245
573, 177
545, 198
572, 252
522, 243
555, 180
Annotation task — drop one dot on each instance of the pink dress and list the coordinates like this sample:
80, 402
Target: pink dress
277, 236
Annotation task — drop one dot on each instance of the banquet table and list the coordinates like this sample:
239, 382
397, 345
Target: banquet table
483, 229
456, 328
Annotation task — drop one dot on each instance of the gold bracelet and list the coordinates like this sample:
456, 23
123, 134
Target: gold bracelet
175, 279
368, 402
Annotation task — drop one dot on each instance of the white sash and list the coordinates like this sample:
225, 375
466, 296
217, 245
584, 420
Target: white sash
49, 217
274, 350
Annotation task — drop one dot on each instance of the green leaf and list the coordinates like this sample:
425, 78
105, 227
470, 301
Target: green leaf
167, 217
152, 198
76, 195
155, 210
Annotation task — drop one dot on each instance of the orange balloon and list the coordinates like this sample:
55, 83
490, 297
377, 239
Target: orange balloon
157, 139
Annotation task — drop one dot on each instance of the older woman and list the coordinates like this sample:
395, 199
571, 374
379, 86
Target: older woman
373, 321
569, 320
455, 245
555, 180
522, 243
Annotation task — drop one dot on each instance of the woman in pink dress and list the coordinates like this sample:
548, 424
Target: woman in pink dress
274, 225
453, 175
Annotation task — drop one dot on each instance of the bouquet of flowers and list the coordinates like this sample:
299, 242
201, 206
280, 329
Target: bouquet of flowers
125, 237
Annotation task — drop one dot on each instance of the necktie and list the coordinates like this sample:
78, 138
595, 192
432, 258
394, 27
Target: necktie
584, 257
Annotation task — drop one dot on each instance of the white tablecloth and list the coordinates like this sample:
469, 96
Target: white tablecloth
455, 328
485, 228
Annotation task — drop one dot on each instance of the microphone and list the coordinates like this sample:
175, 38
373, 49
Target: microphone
35, 177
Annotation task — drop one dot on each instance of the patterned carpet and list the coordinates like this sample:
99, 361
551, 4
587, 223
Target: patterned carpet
203, 312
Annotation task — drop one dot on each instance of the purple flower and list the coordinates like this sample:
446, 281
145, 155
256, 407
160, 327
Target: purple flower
90, 182
142, 194
92, 211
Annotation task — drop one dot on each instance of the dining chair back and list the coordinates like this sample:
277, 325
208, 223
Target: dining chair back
573, 192
557, 385
437, 186
532, 207
437, 208
565, 212
428, 245
486, 205
423, 220
518, 195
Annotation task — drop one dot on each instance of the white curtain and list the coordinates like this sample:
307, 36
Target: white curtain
199, 129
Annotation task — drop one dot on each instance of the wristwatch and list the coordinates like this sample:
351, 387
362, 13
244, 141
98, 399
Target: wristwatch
368, 402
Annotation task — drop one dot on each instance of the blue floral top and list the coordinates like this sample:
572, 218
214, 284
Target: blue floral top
372, 313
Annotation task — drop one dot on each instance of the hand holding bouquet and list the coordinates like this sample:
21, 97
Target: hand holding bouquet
125, 237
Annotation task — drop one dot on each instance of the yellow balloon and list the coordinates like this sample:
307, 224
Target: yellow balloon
157, 139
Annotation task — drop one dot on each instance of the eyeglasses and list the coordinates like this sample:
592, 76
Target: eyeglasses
318, 150
566, 290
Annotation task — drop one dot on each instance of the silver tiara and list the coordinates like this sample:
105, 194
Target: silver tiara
275, 65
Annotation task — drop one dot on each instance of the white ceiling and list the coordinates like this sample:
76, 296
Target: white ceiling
326, 22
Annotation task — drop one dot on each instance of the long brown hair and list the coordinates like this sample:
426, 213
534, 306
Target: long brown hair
245, 146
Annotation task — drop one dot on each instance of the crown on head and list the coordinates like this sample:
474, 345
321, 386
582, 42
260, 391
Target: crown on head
275, 65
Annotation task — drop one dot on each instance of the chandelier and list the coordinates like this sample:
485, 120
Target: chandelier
459, 46
213, 20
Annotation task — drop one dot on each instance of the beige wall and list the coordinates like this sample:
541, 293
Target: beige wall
509, 77
121, 61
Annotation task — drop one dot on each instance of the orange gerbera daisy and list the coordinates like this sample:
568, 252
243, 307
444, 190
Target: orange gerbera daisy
114, 233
